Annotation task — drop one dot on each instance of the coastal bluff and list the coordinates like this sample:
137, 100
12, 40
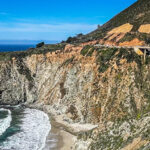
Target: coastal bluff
101, 95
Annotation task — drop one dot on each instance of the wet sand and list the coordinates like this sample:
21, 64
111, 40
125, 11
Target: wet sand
58, 139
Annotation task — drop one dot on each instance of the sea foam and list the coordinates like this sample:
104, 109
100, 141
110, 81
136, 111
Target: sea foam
5, 122
35, 128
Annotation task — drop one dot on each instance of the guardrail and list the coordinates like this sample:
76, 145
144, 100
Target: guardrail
112, 46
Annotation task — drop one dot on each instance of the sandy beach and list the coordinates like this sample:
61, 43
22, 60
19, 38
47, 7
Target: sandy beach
59, 139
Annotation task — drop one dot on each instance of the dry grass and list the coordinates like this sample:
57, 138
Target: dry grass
122, 29
134, 42
144, 28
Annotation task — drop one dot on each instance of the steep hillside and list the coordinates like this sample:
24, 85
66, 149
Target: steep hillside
137, 14
136, 23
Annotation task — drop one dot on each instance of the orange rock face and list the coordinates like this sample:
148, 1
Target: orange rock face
89, 43
122, 29
72, 48
134, 42
144, 28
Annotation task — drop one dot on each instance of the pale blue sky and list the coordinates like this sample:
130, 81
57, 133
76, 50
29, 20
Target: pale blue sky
54, 19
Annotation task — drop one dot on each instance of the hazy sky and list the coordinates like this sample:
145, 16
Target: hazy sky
54, 19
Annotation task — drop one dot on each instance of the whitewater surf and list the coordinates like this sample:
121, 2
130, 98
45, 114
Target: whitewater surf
33, 129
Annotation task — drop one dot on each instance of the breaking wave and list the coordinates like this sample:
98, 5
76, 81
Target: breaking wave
5, 122
35, 128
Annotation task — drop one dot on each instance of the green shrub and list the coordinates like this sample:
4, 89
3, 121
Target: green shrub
87, 50
66, 62
40, 44
104, 57
71, 40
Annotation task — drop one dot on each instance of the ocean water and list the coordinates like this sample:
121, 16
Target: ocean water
23, 129
11, 48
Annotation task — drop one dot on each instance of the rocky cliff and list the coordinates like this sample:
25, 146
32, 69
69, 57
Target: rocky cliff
104, 92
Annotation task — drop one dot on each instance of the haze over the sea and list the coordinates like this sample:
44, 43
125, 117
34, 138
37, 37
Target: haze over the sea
26, 42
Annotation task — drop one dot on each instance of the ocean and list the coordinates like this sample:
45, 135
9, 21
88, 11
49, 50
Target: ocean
23, 129
14, 47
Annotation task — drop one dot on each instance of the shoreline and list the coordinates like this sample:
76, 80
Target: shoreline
58, 138
63, 135
66, 133
63, 139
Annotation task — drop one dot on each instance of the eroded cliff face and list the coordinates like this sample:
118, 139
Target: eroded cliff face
106, 87
15, 86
